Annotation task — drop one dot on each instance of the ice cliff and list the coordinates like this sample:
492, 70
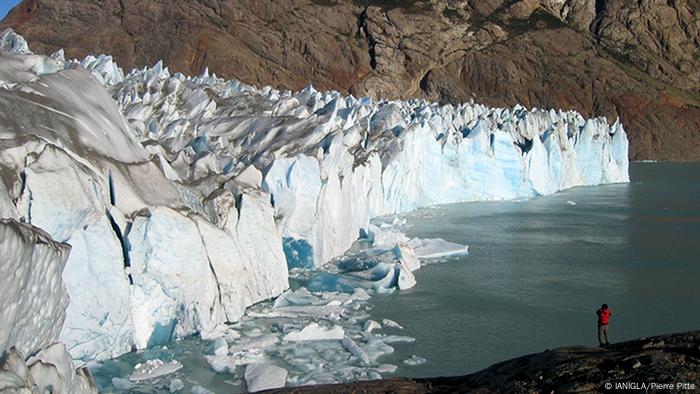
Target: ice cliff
186, 198
151, 258
34, 301
332, 162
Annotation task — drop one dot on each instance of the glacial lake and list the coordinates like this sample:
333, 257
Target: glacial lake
536, 273
538, 270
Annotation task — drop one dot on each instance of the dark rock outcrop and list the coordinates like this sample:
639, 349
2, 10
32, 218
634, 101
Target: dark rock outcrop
639, 60
669, 359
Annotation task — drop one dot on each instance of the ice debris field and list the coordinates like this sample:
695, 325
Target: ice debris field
163, 206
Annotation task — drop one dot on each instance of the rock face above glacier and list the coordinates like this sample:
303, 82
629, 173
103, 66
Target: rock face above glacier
185, 199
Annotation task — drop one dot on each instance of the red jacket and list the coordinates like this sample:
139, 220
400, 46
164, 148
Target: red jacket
603, 316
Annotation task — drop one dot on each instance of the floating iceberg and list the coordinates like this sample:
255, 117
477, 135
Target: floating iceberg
222, 363
355, 349
436, 248
264, 377
152, 369
392, 324
414, 360
315, 332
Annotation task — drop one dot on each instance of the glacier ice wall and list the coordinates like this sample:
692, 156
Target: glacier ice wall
33, 297
184, 198
331, 162
72, 165
34, 301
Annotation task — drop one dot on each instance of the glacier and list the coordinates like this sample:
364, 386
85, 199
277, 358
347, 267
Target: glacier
34, 297
188, 199
34, 301
332, 162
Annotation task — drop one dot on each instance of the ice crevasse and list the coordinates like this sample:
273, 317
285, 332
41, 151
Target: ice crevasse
184, 199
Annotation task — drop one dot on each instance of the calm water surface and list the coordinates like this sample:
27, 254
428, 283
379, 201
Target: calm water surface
539, 269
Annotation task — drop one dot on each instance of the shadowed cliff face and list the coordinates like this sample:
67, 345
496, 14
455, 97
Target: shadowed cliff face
639, 60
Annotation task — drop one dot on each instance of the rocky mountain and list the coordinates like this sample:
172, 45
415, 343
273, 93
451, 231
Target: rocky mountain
659, 364
637, 60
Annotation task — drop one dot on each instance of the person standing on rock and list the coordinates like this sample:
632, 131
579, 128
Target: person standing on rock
604, 315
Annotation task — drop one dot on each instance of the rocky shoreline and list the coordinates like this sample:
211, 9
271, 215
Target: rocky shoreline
666, 363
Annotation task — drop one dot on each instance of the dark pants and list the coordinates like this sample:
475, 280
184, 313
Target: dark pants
603, 334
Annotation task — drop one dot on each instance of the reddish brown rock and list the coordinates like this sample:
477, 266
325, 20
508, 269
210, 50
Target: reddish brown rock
637, 60
523, 9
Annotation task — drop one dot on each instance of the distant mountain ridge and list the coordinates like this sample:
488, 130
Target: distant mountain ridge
637, 60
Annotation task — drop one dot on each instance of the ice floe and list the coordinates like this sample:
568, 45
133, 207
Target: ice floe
315, 332
414, 360
152, 369
263, 376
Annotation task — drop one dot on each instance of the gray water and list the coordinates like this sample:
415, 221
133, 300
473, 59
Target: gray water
539, 269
